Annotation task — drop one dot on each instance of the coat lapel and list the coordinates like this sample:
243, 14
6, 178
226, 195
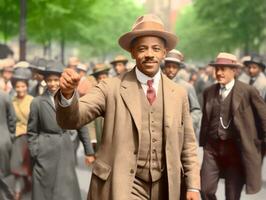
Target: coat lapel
236, 98
130, 93
170, 100
47, 99
210, 98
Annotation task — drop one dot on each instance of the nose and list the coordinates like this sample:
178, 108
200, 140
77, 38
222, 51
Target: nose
149, 53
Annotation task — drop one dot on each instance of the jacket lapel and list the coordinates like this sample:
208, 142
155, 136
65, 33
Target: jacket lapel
46, 97
169, 101
210, 98
236, 98
130, 94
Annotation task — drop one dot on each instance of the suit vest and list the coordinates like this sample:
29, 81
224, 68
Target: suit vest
150, 162
220, 118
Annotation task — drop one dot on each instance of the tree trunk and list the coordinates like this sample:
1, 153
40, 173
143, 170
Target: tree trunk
62, 45
22, 30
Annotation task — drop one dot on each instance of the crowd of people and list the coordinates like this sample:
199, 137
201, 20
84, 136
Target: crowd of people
140, 127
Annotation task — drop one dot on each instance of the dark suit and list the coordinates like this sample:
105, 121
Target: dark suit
243, 151
54, 175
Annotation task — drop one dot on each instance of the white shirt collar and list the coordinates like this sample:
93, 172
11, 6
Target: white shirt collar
229, 85
143, 78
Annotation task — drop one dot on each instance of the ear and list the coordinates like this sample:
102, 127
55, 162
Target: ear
132, 54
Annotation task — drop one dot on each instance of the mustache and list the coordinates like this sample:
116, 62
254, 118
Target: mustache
149, 60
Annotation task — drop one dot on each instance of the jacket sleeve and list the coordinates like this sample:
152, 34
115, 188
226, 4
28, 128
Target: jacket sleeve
11, 118
83, 134
33, 128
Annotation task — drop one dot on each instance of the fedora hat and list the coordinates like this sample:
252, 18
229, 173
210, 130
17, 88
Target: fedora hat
175, 56
38, 64
99, 68
53, 67
225, 59
148, 25
256, 59
21, 73
119, 58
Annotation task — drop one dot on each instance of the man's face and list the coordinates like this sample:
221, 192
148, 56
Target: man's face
101, 76
253, 70
52, 82
7, 74
119, 67
171, 69
224, 74
21, 89
148, 51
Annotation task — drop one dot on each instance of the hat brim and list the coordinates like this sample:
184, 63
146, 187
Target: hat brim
172, 60
257, 63
116, 61
224, 65
126, 39
100, 71
48, 73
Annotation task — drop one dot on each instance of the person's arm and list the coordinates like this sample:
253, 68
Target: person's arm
33, 128
11, 118
84, 137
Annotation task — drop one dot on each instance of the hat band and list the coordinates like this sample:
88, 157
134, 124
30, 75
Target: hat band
148, 26
225, 61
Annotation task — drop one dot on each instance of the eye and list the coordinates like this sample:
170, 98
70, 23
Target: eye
157, 49
141, 49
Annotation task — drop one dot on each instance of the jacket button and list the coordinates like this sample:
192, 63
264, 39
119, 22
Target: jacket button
132, 171
135, 152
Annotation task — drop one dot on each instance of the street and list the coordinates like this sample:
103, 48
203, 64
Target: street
84, 174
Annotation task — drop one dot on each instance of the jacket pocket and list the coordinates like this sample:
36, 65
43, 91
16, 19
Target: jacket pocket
101, 169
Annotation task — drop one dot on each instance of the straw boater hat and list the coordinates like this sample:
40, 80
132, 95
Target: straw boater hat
148, 25
225, 59
100, 68
119, 58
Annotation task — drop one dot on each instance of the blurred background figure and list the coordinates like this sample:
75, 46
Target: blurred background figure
119, 64
73, 62
37, 84
173, 64
257, 78
20, 157
7, 134
6, 74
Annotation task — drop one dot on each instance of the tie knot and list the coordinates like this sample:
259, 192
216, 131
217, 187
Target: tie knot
150, 82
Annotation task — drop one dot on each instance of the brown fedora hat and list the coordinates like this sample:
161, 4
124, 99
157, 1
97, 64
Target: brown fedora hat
225, 59
119, 58
99, 68
148, 25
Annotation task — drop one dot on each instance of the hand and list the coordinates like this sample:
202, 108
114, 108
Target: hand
69, 81
191, 195
89, 160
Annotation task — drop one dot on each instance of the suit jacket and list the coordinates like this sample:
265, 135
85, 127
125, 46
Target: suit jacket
118, 101
249, 121
260, 85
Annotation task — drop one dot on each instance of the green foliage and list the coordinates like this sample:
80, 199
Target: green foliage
9, 18
210, 26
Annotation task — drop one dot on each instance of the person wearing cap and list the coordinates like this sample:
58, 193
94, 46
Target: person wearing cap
119, 64
38, 85
148, 142
54, 175
173, 63
100, 72
6, 75
7, 134
233, 132
20, 156
256, 69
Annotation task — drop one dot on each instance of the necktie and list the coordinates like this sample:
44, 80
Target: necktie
222, 92
151, 95
251, 81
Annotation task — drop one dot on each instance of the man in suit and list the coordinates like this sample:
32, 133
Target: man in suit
233, 131
148, 141
256, 69
119, 64
173, 63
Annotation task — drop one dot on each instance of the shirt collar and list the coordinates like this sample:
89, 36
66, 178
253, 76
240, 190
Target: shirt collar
143, 78
229, 85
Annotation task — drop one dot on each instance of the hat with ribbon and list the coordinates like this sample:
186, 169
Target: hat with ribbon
225, 59
148, 25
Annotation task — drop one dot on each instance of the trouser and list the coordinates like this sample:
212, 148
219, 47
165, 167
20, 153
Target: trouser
143, 190
221, 159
